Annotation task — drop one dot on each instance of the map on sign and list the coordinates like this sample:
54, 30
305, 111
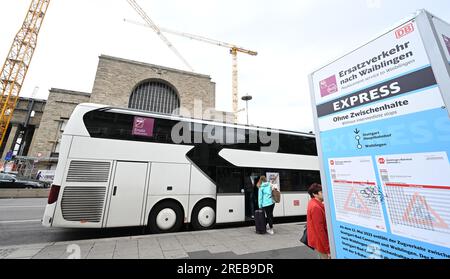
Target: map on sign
417, 195
357, 199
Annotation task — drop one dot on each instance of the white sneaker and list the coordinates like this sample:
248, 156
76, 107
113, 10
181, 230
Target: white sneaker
270, 231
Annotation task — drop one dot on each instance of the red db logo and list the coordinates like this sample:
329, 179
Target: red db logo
381, 161
405, 30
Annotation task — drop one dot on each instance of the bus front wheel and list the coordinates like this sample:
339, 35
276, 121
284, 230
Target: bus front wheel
204, 215
165, 217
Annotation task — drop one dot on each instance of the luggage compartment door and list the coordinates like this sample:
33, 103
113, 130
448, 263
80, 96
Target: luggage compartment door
127, 196
230, 208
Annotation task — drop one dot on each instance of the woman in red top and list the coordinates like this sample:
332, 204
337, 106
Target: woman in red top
316, 223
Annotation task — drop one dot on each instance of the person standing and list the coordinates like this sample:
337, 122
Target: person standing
257, 184
38, 176
316, 225
249, 196
265, 201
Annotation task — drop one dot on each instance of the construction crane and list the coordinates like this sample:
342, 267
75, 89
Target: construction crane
233, 51
18, 60
155, 28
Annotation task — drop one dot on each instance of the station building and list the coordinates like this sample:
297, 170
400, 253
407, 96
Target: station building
34, 134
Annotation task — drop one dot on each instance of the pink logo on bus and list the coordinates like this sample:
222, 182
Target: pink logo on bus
328, 86
143, 126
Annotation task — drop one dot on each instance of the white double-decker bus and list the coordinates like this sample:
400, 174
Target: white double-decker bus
120, 167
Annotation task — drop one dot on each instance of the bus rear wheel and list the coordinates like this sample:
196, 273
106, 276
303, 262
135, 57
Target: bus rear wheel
165, 217
204, 215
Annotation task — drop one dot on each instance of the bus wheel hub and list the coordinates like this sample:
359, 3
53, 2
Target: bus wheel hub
166, 219
206, 216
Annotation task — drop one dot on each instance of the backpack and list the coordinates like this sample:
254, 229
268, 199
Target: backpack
276, 195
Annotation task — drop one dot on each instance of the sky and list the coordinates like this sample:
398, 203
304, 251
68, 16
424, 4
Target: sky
293, 38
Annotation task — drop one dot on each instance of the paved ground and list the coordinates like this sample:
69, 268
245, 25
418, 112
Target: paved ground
22, 236
231, 243
20, 223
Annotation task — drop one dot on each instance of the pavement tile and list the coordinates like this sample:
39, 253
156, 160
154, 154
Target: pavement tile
205, 239
24, 253
217, 249
129, 254
51, 252
154, 254
100, 256
187, 239
102, 249
6, 252
169, 243
193, 248
148, 242
240, 250
175, 254
126, 256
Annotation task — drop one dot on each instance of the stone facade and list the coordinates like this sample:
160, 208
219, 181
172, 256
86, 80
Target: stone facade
27, 114
21, 111
60, 104
116, 78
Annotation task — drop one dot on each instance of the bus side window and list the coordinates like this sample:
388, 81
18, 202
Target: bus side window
229, 180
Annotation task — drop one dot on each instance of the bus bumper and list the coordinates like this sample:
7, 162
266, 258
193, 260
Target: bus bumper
47, 219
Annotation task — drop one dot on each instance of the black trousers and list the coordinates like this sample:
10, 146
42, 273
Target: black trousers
249, 204
269, 214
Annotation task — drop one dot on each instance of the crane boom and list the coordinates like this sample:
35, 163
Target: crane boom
233, 51
18, 60
198, 38
155, 28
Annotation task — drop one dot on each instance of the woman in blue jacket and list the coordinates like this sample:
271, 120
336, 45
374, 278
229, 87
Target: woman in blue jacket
265, 201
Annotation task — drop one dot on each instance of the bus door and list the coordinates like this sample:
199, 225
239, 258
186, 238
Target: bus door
230, 195
127, 197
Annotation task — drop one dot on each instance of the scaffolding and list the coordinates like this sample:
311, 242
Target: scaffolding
28, 167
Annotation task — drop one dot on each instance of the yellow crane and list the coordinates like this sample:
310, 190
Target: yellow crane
18, 60
233, 51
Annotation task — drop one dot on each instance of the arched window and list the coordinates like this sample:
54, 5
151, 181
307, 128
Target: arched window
155, 96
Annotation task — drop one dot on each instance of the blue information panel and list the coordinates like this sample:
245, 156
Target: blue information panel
385, 144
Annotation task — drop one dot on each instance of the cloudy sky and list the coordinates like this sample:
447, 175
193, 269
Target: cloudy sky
292, 37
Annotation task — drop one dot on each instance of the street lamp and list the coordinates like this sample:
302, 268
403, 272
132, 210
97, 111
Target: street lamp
246, 98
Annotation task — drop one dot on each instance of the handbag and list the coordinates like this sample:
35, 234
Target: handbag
276, 195
304, 238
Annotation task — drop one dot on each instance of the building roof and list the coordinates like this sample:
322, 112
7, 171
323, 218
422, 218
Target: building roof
71, 92
152, 66
32, 99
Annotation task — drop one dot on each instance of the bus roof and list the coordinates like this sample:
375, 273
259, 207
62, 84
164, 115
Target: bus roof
190, 119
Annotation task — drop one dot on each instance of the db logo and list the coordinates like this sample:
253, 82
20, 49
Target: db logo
332, 162
381, 161
403, 31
